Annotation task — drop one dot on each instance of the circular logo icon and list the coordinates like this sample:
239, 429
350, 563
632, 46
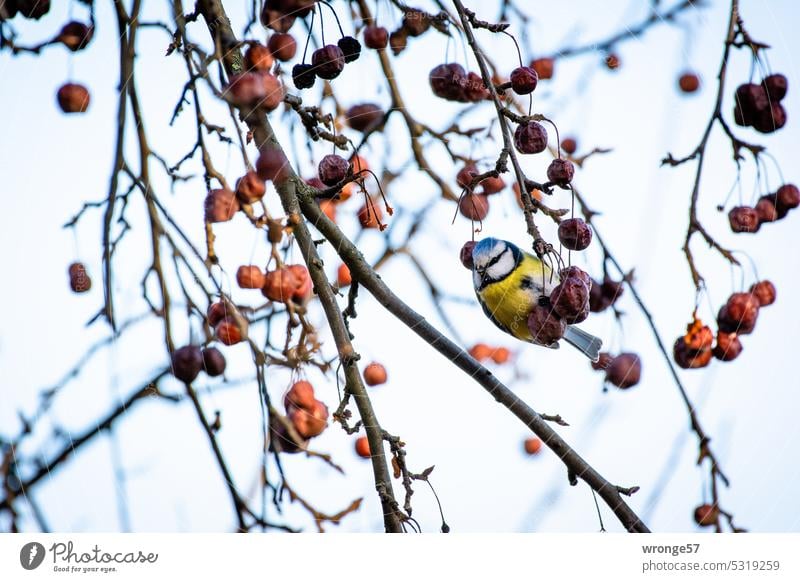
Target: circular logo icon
31, 555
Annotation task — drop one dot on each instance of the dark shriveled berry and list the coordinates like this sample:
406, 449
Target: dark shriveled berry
187, 363
466, 254
303, 76
530, 138
351, 48
787, 197
739, 314
743, 219
474, 90
447, 81
775, 86
213, 362
771, 119
574, 234
398, 41
573, 271
524, 80
688, 358
546, 327
333, 169
570, 299
416, 22
560, 171
625, 370
750, 101
765, 292
221, 205
728, 346
328, 61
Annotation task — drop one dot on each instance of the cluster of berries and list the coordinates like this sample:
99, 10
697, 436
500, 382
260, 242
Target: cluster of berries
769, 208
759, 105
308, 416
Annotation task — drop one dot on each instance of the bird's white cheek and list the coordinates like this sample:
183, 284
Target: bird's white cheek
476, 279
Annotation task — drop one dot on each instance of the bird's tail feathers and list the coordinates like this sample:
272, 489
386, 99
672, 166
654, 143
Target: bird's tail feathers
588, 344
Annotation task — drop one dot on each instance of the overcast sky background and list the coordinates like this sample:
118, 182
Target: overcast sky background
52, 163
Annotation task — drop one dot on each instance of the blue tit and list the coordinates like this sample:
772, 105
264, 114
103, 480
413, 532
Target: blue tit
509, 284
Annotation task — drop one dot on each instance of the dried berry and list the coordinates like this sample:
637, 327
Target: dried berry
524, 80
310, 423
532, 445
221, 205
765, 292
300, 395
416, 22
775, 86
474, 206
466, 254
466, 175
603, 362
79, 280
473, 89
739, 314
258, 58
688, 358
333, 169
447, 81
250, 277
569, 145
228, 331
364, 117
290, 283
370, 216
750, 101
187, 363
75, 35
689, 82
728, 346
706, 514
560, 172
250, 188
574, 234
570, 299
543, 67
625, 370
282, 46
217, 311
328, 61
530, 138
743, 219
546, 327
770, 119
787, 197
398, 41
73, 98
362, 447
351, 48
698, 336
272, 165
303, 76
376, 37
765, 208
612, 62
577, 272
213, 362
33, 8
375, 374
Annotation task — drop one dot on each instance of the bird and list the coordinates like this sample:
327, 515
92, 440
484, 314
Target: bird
509, 283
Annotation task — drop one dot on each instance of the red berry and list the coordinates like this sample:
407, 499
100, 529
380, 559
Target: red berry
375, 374
787, 197
532, 445
765, 292
560, 172
574, 234
689, 82
216, 312
370, 216
545, 325
362, 447
706, 514
272, 165
466, 254
775, 86
364, 117
328, 61
73, 98
569, 145
250, 188
312, 422
625, 370
376, 37
530, 138
258, 58
501, 356
543, 67
743, 219
524, 80
739, 314
75, 35
333, 169
250, 277
728, 346
466, 175
79, 280
765, 208
447, 81
343, 277
228, 331
481, 352
474, 206
770, 119
570, 299
415, 22
689, 358
612, 62
282, 46
398, 41
300, 395
221, 205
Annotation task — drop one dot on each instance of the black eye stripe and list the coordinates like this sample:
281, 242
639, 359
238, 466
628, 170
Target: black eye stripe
494, 260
